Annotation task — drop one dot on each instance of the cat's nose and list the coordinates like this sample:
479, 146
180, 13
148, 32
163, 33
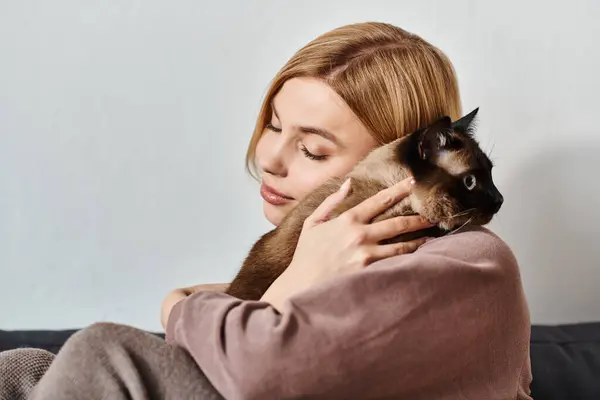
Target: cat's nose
496, 203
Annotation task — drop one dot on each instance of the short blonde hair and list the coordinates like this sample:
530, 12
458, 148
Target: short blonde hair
394, 81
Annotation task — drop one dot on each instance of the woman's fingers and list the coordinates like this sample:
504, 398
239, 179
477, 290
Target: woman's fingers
219, 287
395, 226
378, 203
379, 252
328, 205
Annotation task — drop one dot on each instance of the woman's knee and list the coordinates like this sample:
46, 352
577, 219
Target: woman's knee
93, 338
101, 336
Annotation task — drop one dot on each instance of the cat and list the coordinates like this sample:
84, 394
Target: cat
453, 187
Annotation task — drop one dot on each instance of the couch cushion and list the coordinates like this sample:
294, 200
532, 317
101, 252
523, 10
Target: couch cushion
565, 359
565, 362
43, 339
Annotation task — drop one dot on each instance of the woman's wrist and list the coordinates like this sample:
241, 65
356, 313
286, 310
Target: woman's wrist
284, 287
180, 294
275, 295
170, 301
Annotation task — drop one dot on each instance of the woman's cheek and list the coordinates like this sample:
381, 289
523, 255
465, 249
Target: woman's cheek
310, 174
309, 181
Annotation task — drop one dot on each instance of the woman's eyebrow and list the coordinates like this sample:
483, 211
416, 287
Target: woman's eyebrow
325, 134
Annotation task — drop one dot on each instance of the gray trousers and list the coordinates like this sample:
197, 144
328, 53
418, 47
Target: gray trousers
112, 361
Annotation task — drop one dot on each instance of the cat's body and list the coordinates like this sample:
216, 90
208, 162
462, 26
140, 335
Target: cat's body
440, 158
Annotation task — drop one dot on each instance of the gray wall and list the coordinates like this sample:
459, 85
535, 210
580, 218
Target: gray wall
124, 124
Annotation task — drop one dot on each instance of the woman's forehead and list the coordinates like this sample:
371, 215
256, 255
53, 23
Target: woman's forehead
309, 102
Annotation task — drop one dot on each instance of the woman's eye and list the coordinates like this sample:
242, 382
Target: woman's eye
273, 128
470, 182
312, 156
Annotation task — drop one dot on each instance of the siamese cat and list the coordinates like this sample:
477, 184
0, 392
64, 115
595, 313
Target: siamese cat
453, 187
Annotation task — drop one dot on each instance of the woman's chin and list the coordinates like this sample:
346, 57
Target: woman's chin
276, 213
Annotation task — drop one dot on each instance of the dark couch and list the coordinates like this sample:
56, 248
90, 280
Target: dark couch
565, 359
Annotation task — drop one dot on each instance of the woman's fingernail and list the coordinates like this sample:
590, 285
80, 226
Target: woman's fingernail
345, 186
412, 181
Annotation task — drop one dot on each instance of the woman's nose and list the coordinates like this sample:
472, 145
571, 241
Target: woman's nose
273, 160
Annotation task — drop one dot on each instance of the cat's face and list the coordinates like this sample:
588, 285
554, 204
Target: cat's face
454, 184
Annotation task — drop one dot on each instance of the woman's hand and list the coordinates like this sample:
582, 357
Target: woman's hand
327, 248
177, 295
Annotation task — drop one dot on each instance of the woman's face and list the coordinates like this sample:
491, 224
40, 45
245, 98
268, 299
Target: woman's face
312, 136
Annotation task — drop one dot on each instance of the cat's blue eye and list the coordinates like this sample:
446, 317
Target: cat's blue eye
470, 181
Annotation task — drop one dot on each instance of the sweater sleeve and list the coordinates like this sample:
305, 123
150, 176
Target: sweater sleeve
448, 319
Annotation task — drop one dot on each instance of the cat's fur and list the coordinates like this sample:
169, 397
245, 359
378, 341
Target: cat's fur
443, 159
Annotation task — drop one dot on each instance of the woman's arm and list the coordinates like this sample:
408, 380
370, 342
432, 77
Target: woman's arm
344, 244
175, 296
449, 320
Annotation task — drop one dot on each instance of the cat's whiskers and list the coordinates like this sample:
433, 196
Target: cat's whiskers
460, 227
489, 154
460, 214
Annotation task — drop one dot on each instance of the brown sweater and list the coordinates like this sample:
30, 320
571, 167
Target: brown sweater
449, 321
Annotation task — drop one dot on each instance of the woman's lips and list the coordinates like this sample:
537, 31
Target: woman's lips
274, 197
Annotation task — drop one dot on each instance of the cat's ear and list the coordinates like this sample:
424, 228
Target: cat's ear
466, 125
435, 137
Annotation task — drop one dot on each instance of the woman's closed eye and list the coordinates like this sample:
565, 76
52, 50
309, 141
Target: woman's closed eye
307, 153
316, 157
273, 128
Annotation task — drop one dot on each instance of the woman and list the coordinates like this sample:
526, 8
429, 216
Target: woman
349, 318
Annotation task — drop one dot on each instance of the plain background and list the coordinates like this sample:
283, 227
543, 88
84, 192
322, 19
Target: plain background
124, 125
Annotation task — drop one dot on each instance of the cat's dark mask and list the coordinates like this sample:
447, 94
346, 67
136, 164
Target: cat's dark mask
454, 184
